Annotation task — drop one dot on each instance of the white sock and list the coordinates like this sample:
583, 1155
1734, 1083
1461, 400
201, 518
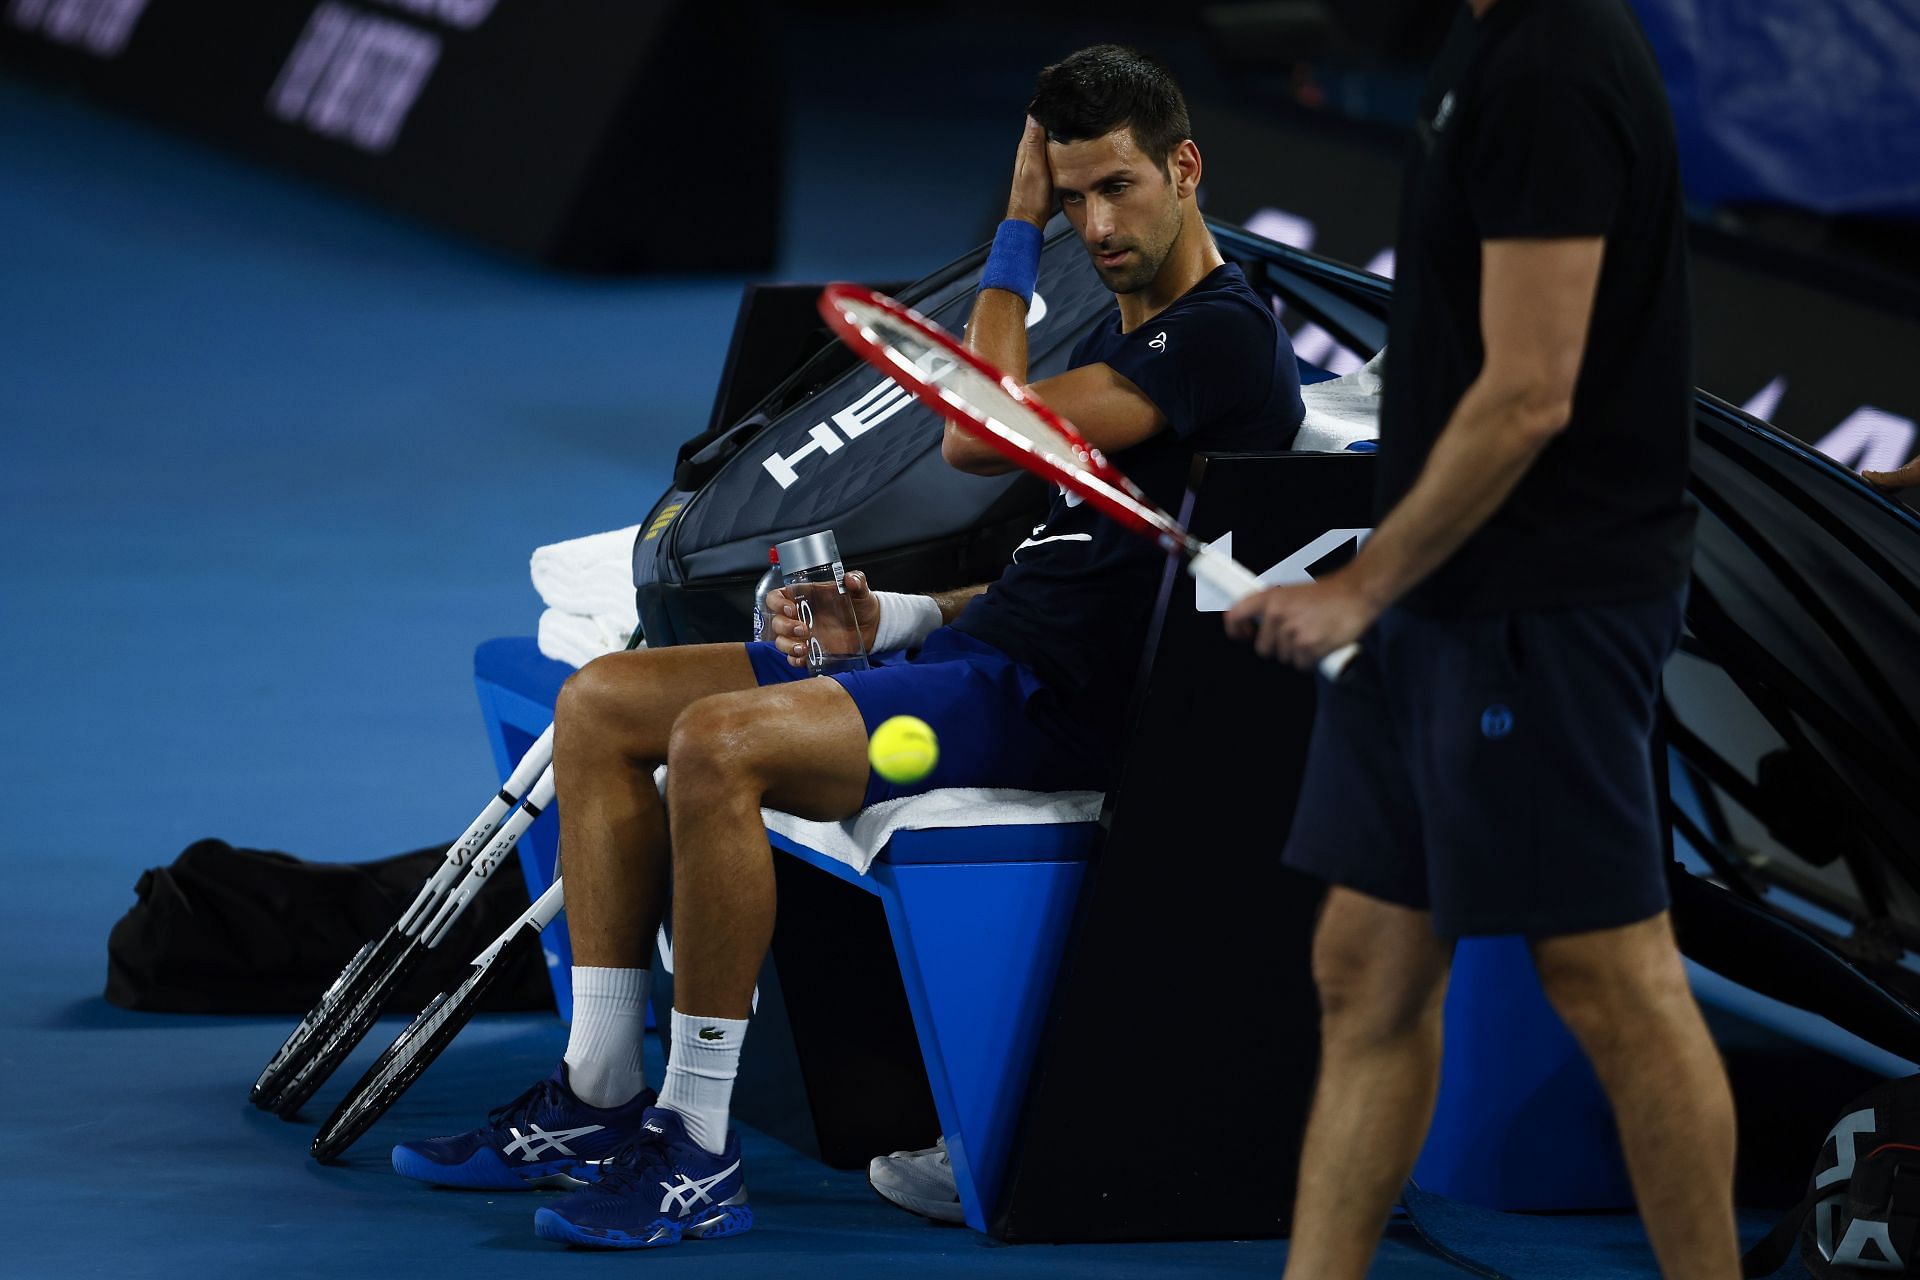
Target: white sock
604, 1065
700, 1071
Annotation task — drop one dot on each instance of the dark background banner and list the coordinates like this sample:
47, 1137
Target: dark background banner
540, 128
1782, 101
569, 133
1815, 349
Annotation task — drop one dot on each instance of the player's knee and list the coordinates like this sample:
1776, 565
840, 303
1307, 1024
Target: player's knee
1612, 991
715, 740
1369, 992
588, 695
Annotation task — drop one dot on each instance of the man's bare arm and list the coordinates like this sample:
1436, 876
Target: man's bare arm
997, 327
1536, 301
952, 602
1102, 405
789, 634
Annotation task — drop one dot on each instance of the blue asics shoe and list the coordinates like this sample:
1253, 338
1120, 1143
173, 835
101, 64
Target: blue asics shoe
661, 1188
546, 1137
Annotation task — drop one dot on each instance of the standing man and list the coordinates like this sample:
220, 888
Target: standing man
1485, 767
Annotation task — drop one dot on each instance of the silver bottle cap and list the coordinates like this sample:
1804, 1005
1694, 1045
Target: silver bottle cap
811, 551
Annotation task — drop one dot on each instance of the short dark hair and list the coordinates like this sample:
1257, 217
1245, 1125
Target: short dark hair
1091, 93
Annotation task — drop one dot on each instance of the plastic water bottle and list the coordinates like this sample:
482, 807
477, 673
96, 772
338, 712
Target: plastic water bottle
815, 578
769, 581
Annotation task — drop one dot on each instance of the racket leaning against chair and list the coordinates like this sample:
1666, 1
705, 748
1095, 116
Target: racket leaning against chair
351, 1003
434, 1028
431, 1031
379, 957
1010, 419
351, 1021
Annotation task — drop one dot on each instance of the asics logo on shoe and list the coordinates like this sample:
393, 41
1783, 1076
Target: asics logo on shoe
682, 1196
537, 1143
652, 1126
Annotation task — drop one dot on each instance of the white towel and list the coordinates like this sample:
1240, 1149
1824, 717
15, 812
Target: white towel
592, 576
1342, 410
859, 839
576, 640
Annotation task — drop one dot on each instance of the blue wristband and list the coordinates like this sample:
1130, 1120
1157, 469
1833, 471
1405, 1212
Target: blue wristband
1014, 262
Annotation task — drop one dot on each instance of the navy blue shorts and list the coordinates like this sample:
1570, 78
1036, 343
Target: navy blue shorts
1496, 771
997, 722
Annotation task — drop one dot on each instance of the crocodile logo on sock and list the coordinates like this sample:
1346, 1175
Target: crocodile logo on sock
712, 1033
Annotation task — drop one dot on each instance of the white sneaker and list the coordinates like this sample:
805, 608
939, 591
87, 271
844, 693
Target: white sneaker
920, 1182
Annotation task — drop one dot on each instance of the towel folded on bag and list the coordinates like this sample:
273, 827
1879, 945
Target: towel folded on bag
577, 640
587, 586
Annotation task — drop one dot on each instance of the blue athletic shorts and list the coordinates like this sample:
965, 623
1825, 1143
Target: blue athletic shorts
997, 722
1496, 771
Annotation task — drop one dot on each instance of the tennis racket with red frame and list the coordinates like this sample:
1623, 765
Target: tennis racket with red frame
1010, 419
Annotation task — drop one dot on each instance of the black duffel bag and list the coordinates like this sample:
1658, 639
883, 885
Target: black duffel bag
226, 930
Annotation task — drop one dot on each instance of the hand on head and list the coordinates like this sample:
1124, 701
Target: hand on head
1032, 195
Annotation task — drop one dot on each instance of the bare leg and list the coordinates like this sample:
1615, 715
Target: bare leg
1623, 993
1382, 976
800, 747
612, 725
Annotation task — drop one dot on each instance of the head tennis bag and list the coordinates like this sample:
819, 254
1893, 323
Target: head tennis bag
838, 446
1861, 1214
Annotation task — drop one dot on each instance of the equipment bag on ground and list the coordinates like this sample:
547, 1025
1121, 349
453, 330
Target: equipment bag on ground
226, 930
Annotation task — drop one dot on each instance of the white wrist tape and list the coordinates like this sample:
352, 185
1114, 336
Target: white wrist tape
904, 620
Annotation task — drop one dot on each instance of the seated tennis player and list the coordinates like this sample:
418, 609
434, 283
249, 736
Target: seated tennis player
1023, 682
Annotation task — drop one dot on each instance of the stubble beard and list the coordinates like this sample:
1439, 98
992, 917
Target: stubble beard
1131, 278
1148, 259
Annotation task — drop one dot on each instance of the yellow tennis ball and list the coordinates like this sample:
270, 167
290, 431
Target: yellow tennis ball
903, 749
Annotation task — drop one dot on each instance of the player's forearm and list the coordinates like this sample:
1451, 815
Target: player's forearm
1493, 437
904, 621
997, 331
952, 602
964, 453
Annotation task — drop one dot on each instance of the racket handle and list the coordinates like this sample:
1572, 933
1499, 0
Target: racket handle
537, 800
1334, 665
1224, 574
539, 915
531, 765
479, 832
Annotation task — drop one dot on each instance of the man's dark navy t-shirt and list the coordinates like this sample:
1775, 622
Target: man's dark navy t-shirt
1075, 603
1547, 119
